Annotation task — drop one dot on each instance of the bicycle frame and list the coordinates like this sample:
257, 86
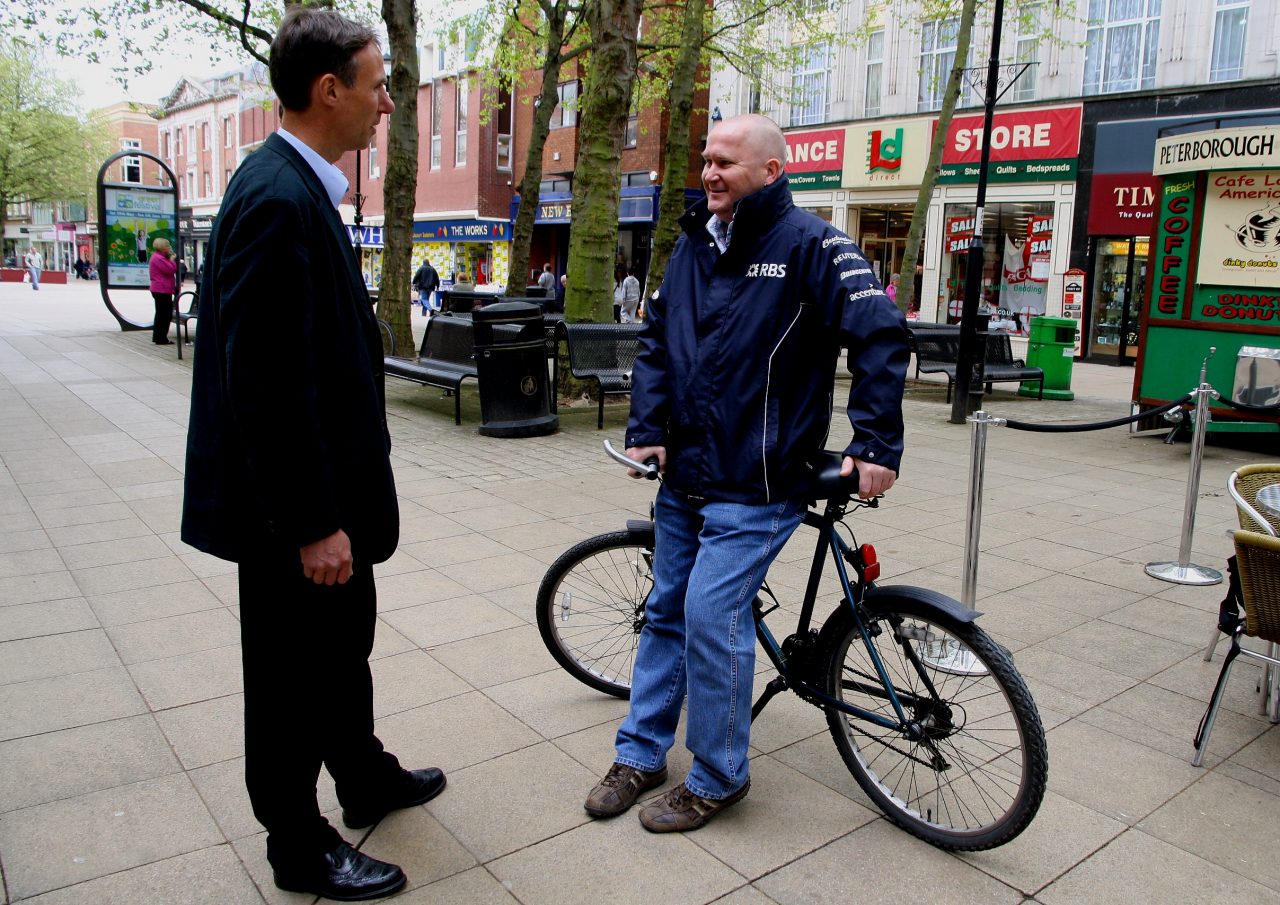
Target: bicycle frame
829, 541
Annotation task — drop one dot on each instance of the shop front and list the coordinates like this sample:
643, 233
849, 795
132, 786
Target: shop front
637, 217
1031, 190
468, 251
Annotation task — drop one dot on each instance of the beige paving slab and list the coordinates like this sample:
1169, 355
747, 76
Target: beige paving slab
479, 810
409, 680
60, 702
50, 617
553, 703
863, 860
153, 602
1196, 678
18, 541
628, 867
454, 733
1111, 775
157, 639
396, 592
430, 624
29, 562
70, 762
1262, 754
1224, 821
188, 678
112, 511
1138, 869
493, 658
447, 551
1119, 649
34, 588
78, 839
470, 887
221, 787
494, 572
131, 576
210, 876
420, 844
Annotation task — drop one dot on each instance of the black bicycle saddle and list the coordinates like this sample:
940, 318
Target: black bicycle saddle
825, 481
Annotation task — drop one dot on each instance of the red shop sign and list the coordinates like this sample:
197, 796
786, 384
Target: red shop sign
1050, 134
817, 151
1123, 204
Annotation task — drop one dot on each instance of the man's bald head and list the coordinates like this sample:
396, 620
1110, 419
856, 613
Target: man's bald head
743, 155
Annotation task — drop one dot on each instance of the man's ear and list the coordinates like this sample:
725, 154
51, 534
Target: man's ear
324, 90
772, 170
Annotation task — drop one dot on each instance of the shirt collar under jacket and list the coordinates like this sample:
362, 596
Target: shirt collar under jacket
335, 184
720, 231
752, 215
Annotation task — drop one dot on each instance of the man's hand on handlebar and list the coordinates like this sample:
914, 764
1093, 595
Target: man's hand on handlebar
873, 480
644, 454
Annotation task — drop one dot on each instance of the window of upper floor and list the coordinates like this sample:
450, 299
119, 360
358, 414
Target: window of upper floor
460, 138
166, 145
204, 136
375, 168
1028, 28
208, 184
228, 131
810, 86
436, 105
566, 112
1121, 45
873, 79
1230, 26
503, 121
563, 185
937, 58
130, 167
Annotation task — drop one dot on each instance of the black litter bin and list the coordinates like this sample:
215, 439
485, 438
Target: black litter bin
511, 365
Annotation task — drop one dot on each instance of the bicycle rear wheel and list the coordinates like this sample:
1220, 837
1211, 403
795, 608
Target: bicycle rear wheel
591, 608
971, 772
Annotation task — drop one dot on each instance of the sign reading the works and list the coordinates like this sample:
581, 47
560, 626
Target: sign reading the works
815, 159
1252, 146
887, 154
1026, 146
461, 231
1240, 239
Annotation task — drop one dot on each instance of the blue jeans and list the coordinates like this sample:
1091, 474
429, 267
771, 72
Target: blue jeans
699, 637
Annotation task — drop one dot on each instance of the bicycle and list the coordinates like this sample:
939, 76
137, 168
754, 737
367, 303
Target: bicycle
928, 713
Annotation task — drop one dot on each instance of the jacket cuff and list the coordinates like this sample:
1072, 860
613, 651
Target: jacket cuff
873, 452
645, 438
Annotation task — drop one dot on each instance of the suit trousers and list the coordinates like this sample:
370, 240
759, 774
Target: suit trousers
308, 700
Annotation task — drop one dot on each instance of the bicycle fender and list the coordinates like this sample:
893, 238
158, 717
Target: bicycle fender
880, 599
641, 526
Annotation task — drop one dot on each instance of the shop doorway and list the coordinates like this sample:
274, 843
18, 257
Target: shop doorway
882, 236
1119, 286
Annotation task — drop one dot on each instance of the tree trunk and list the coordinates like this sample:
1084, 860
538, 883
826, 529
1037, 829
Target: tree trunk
675, 168
907, 275
602, 124
400, 189
531, 183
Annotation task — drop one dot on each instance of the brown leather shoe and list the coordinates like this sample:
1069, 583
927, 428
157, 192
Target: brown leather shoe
620, 788
679, 809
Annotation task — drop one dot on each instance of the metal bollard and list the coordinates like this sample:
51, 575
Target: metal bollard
973, 519
1184, 571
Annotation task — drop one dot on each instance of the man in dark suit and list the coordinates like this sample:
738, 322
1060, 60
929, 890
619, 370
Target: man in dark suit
288, 462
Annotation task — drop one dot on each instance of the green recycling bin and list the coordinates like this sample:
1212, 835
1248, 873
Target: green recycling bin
1052, 350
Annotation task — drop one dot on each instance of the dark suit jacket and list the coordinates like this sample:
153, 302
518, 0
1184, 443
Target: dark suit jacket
288, 437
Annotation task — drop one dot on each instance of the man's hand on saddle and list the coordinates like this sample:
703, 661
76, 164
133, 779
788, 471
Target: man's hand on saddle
873, 480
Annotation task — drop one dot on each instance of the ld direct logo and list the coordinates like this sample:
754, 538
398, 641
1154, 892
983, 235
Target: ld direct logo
884, 153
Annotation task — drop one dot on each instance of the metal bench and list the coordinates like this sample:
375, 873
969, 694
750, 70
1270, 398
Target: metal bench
605, 353
446, 358
937, 353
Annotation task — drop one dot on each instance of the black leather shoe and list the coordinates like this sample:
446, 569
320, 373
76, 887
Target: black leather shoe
417, 787
163, 342
343, 874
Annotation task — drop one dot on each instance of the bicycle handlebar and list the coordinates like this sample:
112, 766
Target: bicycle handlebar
648, 469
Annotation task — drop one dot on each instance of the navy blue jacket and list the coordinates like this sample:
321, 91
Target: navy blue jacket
736, 370
288, 437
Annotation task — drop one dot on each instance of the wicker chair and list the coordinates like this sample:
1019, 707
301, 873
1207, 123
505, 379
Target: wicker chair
1243, 485
1258, 564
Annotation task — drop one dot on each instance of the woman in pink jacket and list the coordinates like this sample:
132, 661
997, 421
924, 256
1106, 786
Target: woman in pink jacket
164, 283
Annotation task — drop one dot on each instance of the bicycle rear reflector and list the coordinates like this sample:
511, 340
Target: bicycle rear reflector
870, 565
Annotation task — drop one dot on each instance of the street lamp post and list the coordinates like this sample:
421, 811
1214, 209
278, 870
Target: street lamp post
969, 361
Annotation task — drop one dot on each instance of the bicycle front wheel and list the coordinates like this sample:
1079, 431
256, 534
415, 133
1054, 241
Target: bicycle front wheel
969, 771
591, 608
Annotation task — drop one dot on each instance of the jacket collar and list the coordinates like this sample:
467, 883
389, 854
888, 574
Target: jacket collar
753, 216
280, 146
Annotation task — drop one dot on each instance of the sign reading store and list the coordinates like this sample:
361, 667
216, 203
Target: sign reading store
1039, 145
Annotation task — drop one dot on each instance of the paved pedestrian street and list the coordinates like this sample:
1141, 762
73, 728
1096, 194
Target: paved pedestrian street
120, 684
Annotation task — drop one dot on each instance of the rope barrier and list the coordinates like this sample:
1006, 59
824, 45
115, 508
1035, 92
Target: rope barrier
1245, 407
1096, 425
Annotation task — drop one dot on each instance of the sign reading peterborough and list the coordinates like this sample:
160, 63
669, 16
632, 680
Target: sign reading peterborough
1222, 149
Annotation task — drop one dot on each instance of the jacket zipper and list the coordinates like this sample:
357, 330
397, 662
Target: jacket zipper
764, 433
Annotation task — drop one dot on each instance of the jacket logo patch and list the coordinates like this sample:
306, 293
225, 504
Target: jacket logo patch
767, 270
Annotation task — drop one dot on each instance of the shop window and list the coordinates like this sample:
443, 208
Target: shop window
435, 126
1017, 239
130, 167
875, 71
1026, 47
1230, 23
566, 112
809, 86
937, 57
1121, 45
504, 129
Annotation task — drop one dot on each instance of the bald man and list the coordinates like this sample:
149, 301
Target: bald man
732, 393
